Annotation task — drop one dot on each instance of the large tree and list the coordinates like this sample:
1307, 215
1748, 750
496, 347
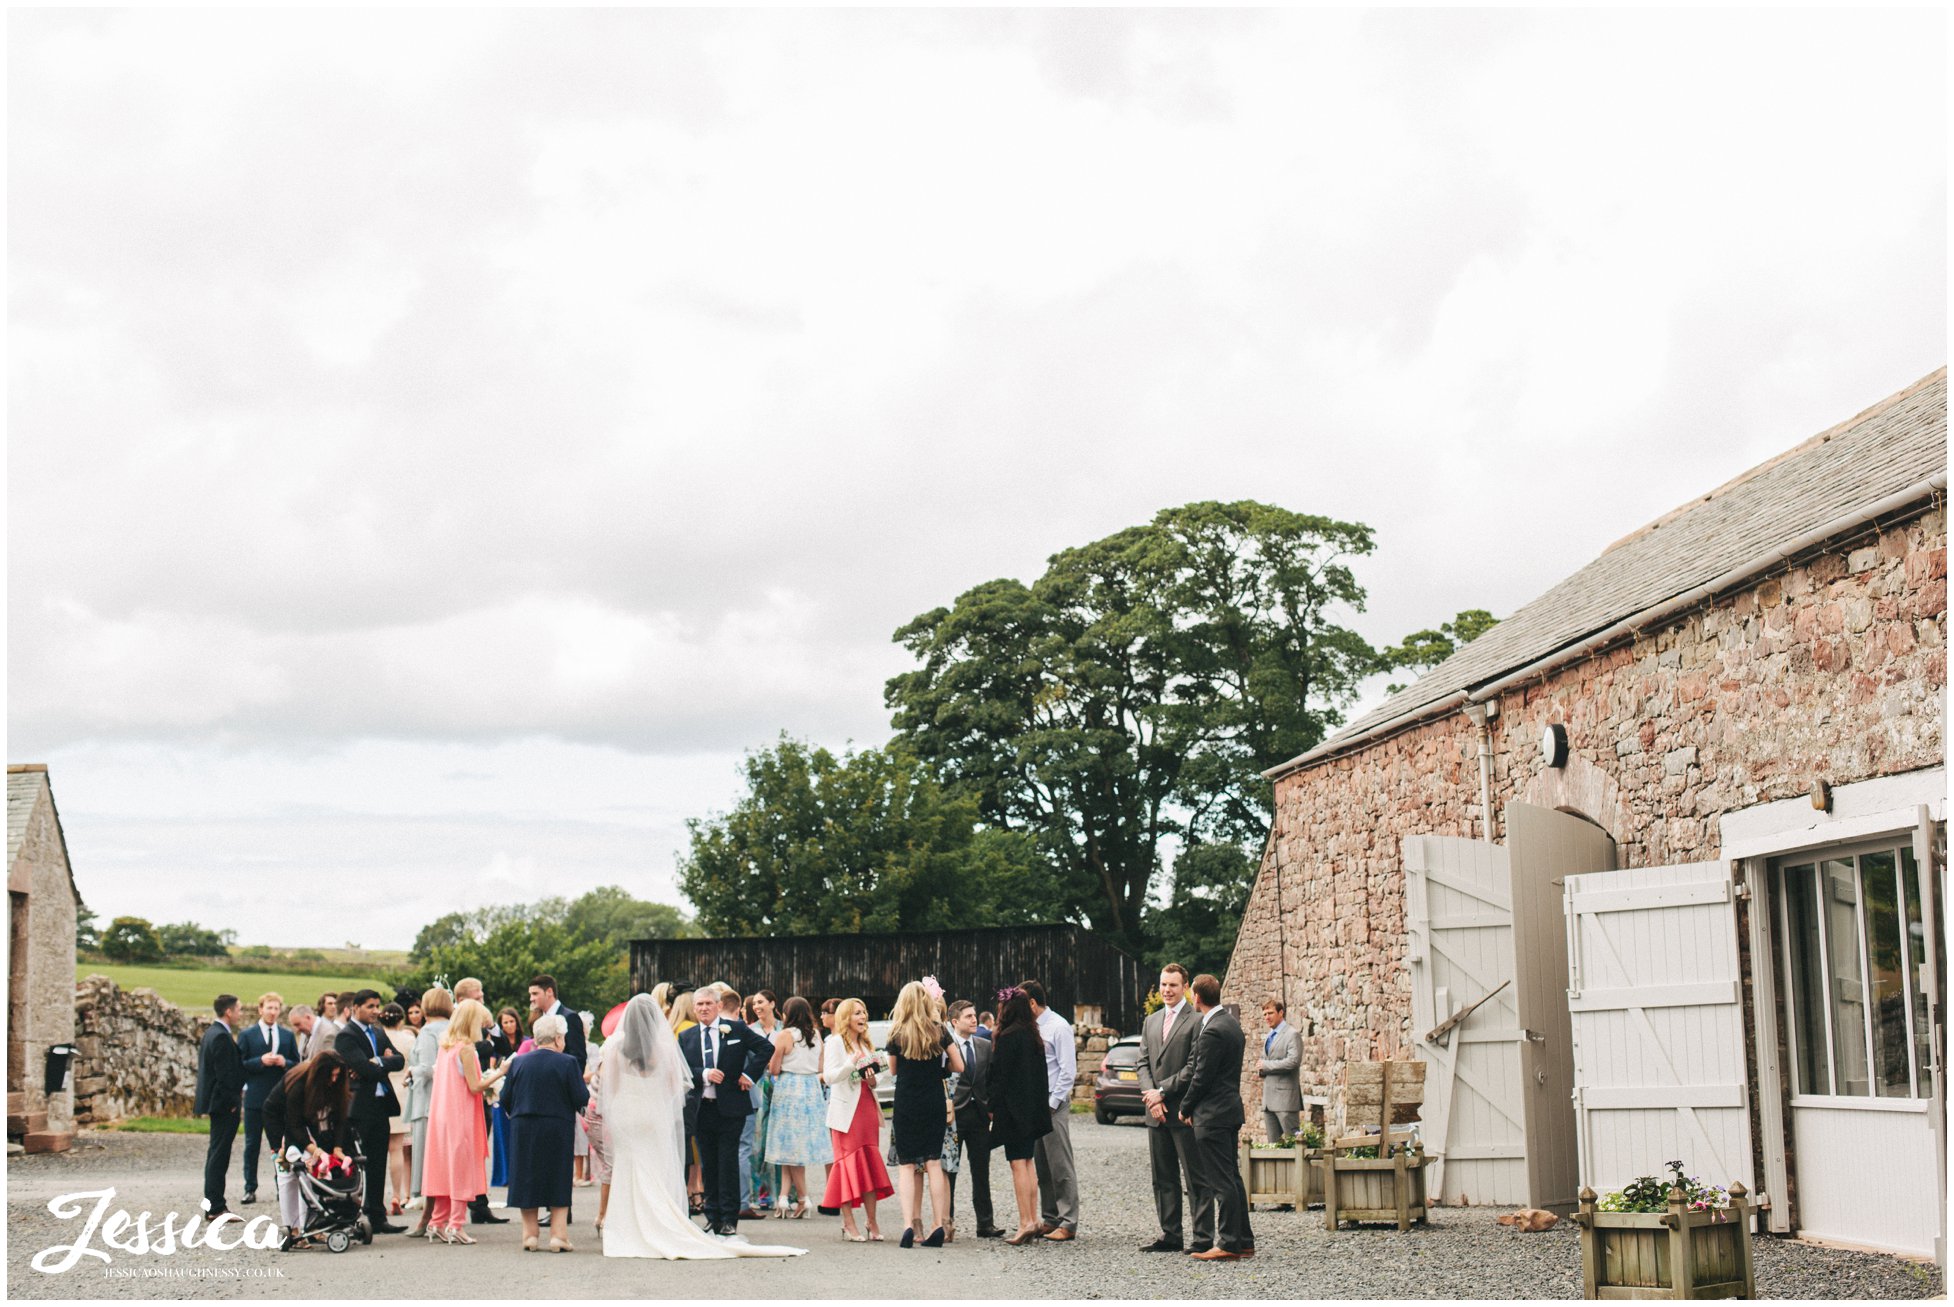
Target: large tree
1132, 694
867, 841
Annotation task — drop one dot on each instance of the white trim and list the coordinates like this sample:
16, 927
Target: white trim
1886, 805
1854, 1103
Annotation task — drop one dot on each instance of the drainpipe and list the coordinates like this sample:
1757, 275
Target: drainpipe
1479, 714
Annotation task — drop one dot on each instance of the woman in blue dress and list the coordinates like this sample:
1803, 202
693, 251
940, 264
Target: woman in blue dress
542, 1095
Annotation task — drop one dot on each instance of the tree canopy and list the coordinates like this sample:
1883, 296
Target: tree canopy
868, 841
1132, 694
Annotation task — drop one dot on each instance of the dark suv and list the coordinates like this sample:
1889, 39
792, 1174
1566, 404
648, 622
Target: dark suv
1116, 1091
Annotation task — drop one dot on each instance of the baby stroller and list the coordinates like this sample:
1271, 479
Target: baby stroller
330, 1202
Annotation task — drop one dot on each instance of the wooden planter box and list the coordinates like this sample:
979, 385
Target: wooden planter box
1371, 1188
1672, 1254
1283, 1177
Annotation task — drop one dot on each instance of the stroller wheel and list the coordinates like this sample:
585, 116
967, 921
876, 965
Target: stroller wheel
339, 1241
364, 1229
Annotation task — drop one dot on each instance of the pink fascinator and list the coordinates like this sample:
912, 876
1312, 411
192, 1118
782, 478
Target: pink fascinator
934, 990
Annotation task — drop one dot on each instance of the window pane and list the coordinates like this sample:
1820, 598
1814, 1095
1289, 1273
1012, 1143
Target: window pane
1892, 1074
1807, 983
1848, 982
1917, 941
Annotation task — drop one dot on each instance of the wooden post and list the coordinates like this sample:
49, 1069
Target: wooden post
1329, 1163
1740, 1213
1682, 1256
1302, 1180
1590, 1246
1403, 1194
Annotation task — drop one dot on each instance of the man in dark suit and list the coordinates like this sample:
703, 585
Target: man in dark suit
268, 1050
371, 1056
1212, 1105
544, 1002
727, 1057
1166, 1067
220, 1096
972, 1102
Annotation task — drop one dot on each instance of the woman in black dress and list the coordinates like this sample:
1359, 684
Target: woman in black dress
924, 1055
542, 1094
1020, 1094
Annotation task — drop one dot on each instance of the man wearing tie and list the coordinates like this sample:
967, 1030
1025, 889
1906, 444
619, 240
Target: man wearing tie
1166, 1066
1212, 1105
727, 1057
1281, 1069
268, 1049
972, 1102
372, 1058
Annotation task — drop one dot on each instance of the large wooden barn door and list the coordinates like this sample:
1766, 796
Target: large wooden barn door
1654, 989
1459, 912
1546, 849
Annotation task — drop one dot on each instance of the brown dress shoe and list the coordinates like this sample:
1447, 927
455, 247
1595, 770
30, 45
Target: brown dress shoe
1046, 1229
1060, 1235
1215, 1255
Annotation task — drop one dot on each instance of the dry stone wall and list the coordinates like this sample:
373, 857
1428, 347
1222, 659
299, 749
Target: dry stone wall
136, 1054
1835, 668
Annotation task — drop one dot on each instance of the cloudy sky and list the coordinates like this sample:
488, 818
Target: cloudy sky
442, 443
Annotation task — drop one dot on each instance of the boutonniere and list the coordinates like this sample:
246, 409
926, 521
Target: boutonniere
722, 1028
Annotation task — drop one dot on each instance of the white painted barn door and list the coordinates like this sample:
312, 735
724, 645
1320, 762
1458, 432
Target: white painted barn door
1654, 990
1460, 917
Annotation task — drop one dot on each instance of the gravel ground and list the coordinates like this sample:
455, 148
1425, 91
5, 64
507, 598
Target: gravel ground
1462, 1254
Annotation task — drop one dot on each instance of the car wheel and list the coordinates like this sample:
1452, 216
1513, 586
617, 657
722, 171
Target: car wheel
1102, 1116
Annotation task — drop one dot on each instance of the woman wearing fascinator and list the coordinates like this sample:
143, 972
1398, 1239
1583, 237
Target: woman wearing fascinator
924, 1056
1020, 1114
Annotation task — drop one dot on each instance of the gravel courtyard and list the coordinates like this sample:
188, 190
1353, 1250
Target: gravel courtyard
1461, 1255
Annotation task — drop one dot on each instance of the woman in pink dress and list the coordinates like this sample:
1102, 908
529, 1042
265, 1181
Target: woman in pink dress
857, 1177
457, 1137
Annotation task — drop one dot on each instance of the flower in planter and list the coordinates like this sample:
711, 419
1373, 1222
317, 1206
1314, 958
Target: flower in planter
1651, 1194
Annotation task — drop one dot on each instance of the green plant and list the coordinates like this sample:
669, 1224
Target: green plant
1309, 1135
1154, 1002
1650, 1193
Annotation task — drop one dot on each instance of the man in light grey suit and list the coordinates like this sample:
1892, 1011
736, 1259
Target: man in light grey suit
1166, 1046
1281, 1068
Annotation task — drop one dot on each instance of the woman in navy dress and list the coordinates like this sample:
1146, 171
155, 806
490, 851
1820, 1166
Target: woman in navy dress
541, 1096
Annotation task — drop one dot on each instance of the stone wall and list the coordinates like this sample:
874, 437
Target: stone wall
137, 1053
1091, 1043
1834, 668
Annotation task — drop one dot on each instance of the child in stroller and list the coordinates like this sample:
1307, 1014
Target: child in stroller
321, 1172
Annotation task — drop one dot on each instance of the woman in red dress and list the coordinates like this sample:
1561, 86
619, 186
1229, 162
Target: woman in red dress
857, 1176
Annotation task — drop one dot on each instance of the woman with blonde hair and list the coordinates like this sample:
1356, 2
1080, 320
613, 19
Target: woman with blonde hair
849, 1064
661, 994
457, 1134
437, 1006
924, 1055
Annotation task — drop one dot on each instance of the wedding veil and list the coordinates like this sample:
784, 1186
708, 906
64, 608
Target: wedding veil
644, 1048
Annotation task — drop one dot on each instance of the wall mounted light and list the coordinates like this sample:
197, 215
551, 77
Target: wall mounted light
1553, 745
1821, 796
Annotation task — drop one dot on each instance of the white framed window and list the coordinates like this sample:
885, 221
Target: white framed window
1853, 943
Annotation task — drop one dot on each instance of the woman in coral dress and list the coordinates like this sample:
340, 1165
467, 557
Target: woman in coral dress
457, 1136
857, 1177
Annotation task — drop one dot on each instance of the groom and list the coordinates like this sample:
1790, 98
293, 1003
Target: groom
726, 1057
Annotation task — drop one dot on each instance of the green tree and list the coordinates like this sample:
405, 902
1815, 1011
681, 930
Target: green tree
188, 939
1211, 885
869, 841
611, 914
131, 939
88, 928
1133, 694
1421, 651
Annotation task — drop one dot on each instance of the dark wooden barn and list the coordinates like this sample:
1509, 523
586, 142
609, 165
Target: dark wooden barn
1079, 969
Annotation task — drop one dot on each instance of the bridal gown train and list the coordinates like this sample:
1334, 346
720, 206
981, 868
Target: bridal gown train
643, 1082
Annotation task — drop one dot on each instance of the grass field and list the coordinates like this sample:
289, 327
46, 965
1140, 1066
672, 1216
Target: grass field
165, 1125
193, 990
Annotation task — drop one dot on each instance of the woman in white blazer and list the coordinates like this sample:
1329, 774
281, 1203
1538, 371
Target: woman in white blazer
857, 1176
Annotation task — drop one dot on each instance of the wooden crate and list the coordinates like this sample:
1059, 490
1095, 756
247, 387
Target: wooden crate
1371, 1188
1672, 1254
1282, 1177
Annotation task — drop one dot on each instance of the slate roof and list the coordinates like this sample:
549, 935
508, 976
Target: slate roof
23, 787
1897, 443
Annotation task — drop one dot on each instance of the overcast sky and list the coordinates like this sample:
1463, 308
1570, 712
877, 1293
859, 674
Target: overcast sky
442, 443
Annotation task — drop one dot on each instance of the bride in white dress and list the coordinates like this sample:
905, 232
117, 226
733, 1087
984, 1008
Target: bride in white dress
645, 1080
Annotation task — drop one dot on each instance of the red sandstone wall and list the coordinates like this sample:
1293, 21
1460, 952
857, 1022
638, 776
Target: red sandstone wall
1835, 668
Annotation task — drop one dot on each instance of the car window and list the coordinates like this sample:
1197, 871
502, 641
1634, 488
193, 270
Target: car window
1124, 1055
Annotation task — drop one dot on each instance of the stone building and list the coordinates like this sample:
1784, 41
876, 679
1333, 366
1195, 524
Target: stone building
41, 899
1677, 827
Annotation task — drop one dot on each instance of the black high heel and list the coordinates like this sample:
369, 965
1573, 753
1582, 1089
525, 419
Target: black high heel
908, 1239
936, 1238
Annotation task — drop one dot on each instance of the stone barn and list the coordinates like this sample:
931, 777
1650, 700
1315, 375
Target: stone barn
1675, 832
41, 899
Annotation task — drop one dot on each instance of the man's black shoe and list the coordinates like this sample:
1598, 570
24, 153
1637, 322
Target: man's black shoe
483, 1216
250, 1196
388, 1227
1162, 1246
989, 1232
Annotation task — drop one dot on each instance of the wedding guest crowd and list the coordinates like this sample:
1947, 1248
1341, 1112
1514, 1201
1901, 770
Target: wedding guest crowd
439, 1100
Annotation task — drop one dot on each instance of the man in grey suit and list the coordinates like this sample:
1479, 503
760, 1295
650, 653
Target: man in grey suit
972, 1103
1213, 1106
1281, 1068
1166, 1043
